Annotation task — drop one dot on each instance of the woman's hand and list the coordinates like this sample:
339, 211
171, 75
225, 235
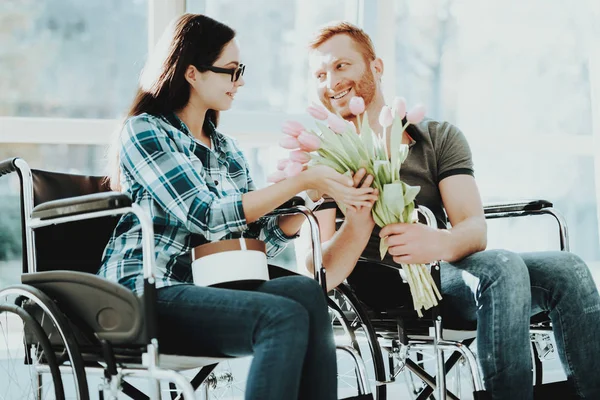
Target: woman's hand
326, 180
361, 217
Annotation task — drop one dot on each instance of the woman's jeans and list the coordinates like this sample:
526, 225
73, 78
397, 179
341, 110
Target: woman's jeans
501, 290
284, 323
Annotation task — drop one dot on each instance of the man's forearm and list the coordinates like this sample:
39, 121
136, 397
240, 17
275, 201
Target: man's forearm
341, 253
464, 239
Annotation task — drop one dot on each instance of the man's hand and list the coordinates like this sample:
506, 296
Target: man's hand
415, 243
361, 217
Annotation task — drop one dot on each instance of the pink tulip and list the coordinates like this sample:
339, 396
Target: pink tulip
292, 128
416, 115
385, 116
299, 156
281, 164
292, 169
399, 107
276, 176
336, 124
309, 142
318, 112
357, 105
288, 142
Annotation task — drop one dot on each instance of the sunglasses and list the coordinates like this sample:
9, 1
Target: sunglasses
235, 73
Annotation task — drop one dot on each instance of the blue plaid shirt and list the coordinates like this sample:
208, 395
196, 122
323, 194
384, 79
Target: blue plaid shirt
193, 195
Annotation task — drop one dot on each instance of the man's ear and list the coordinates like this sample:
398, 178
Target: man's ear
377, 68
191, 74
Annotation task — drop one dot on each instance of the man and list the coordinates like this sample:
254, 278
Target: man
499, 289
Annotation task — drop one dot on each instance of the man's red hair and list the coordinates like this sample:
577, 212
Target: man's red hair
360, 38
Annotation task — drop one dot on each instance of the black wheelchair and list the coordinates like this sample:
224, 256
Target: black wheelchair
64, 325
392, 339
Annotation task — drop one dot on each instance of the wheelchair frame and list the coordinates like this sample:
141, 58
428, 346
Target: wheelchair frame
399, 342
150, 367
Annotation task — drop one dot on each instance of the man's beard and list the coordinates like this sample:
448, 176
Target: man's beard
364, 88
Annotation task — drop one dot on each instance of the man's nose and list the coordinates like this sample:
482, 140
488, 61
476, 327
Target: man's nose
332, 81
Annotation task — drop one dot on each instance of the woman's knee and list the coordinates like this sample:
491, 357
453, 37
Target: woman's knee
303, 290
285, 320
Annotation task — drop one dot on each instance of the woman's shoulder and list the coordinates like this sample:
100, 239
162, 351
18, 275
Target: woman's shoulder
144, 121
150, 125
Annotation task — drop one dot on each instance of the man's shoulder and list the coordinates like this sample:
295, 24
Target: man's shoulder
436, 129
436, 132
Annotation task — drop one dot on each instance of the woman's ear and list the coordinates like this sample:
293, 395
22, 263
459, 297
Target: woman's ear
191, 74
377, 68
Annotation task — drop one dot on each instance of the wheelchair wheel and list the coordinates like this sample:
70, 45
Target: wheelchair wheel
228, 380
25, 352
60, 338
352, 327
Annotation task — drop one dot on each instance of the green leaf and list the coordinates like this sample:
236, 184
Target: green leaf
394, 198
366, 137
408, 211
377, 215
395, 142
329, 162
331, 139
383, 248
410, 193
381, 169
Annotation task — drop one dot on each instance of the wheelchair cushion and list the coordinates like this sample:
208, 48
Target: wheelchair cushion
106, 308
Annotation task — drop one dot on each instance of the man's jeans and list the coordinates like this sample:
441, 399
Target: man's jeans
501, 290
284, 324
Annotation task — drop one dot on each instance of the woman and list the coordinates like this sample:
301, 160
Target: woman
194, 183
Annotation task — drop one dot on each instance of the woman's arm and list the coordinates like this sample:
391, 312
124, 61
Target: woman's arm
151, 159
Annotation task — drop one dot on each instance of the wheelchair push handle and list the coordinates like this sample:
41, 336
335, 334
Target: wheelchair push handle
7, 166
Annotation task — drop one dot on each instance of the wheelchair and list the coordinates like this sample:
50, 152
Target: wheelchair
392, 339
64, 324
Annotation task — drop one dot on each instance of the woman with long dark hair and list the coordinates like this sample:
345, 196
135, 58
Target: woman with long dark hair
195, 184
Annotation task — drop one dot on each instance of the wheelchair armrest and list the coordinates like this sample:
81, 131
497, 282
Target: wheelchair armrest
81, 205
8, 166
516, 206
293, 202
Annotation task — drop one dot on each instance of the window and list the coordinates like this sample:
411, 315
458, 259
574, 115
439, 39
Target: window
273, 37
519, 92
71, 59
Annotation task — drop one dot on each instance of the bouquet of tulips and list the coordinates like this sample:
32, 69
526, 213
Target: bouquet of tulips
338, 144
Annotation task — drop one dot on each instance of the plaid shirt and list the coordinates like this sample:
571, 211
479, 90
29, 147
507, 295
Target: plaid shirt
192, 194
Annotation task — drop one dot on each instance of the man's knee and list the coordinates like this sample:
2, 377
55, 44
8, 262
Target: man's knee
503, 270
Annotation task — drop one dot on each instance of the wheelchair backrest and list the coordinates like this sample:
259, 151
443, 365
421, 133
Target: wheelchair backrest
75, 246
